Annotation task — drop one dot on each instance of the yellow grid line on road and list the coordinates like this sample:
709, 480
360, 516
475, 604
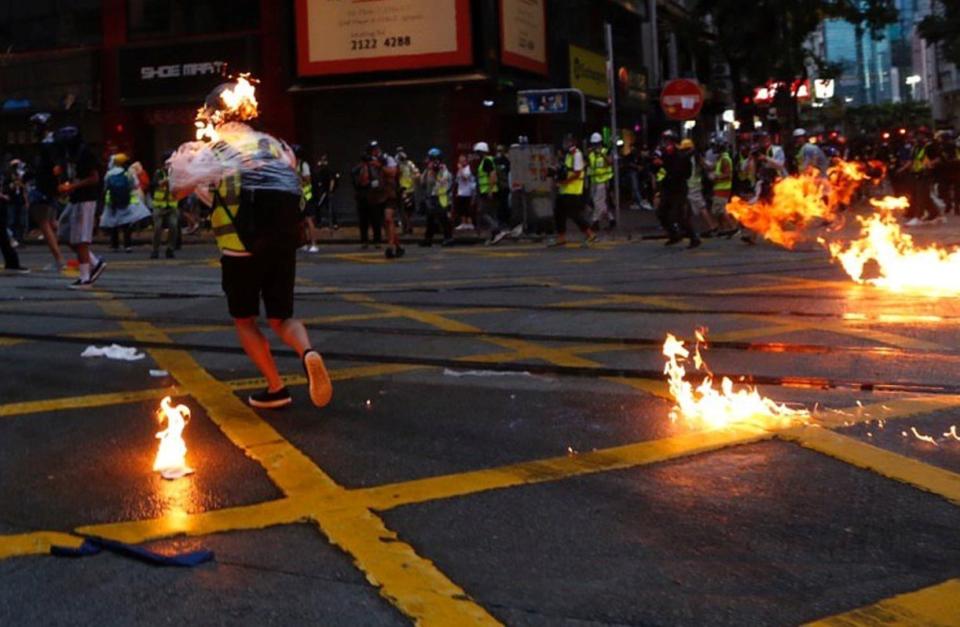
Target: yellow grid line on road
413, 584
935, 606
342, 524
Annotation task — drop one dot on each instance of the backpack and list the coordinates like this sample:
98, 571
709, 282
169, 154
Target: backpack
361, 176
118, 185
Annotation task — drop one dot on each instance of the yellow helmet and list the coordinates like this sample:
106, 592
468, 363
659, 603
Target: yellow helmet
120, 159
686, 144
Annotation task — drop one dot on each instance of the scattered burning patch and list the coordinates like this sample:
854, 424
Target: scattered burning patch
704, 407
799, 203
886, 257
171, 460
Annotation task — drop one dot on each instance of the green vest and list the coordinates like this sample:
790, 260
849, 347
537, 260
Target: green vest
919, 157
573, 187
719, 184
484, 184
600, 171
225, 213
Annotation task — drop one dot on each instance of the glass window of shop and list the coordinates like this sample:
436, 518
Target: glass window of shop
46, 24
148, 19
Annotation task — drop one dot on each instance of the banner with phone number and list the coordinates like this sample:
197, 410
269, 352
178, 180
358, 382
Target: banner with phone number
356, 36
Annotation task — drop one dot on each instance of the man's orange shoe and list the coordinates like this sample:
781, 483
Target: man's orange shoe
321, 389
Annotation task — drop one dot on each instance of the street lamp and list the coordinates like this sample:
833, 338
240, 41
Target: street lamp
913, 80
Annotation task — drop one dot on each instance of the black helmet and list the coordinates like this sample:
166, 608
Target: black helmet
67, 135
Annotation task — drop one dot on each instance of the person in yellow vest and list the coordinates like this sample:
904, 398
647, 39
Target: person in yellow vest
165, 214
309, 206
256, 209
488, 187
570, 202
922, 163
722, 177
407, 176
600, 172
437, 182
123, 203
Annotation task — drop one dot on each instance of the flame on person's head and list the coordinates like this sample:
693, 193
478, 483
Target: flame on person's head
704, 407
235, 101
886, 257
171, 460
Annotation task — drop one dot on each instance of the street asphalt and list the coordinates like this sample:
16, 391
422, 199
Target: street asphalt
498, 448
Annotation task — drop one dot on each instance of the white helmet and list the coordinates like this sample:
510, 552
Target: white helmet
481, 147
800, 132
596, 138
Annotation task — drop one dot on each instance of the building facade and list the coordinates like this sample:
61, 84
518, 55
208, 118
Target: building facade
334, 75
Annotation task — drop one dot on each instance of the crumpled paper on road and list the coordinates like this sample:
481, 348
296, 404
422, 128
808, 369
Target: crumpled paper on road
114, 351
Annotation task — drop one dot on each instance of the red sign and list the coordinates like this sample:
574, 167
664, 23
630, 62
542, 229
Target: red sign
765, 95
681, 99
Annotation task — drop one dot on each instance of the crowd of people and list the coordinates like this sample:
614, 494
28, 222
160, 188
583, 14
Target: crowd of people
690, 187
63, 193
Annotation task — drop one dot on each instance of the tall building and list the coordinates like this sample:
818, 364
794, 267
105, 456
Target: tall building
866, 75
939, 79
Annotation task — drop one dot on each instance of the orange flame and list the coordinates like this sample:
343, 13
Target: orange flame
236, 104
703, 407
171, 454
898, 264
799, 202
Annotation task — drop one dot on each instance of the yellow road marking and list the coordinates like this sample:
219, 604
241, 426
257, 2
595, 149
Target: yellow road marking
407, 580
892, 465
246, 517
643, 453
34, 543
936, 606
90, 400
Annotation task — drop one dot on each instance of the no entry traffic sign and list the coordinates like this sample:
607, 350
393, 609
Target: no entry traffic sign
681, 99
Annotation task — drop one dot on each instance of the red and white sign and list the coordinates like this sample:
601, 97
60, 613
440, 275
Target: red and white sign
681, 99
354, 36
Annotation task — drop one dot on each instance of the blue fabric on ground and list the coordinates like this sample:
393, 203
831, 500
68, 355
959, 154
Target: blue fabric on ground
93, 545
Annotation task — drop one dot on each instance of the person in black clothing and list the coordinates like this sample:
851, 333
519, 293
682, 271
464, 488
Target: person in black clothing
324, 184
11, 260
674, 210
42, 186
502, 163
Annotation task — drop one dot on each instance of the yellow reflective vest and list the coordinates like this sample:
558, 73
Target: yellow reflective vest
484, 184
223, 219
599, 169
572, 187
723, 184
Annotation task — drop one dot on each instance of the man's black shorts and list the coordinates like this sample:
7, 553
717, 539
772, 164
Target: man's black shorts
269, 275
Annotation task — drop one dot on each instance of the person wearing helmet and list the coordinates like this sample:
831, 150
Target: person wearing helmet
600, 173
569, 204
164, 208
80, 175
256, 202
42, 186
437, 182
488, 186
810, 158
675, 169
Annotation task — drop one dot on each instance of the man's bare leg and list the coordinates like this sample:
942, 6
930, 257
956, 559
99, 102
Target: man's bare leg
292, 332
50, 237
257, 348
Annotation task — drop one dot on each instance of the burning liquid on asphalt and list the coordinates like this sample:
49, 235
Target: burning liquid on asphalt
171, 460
704, 406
